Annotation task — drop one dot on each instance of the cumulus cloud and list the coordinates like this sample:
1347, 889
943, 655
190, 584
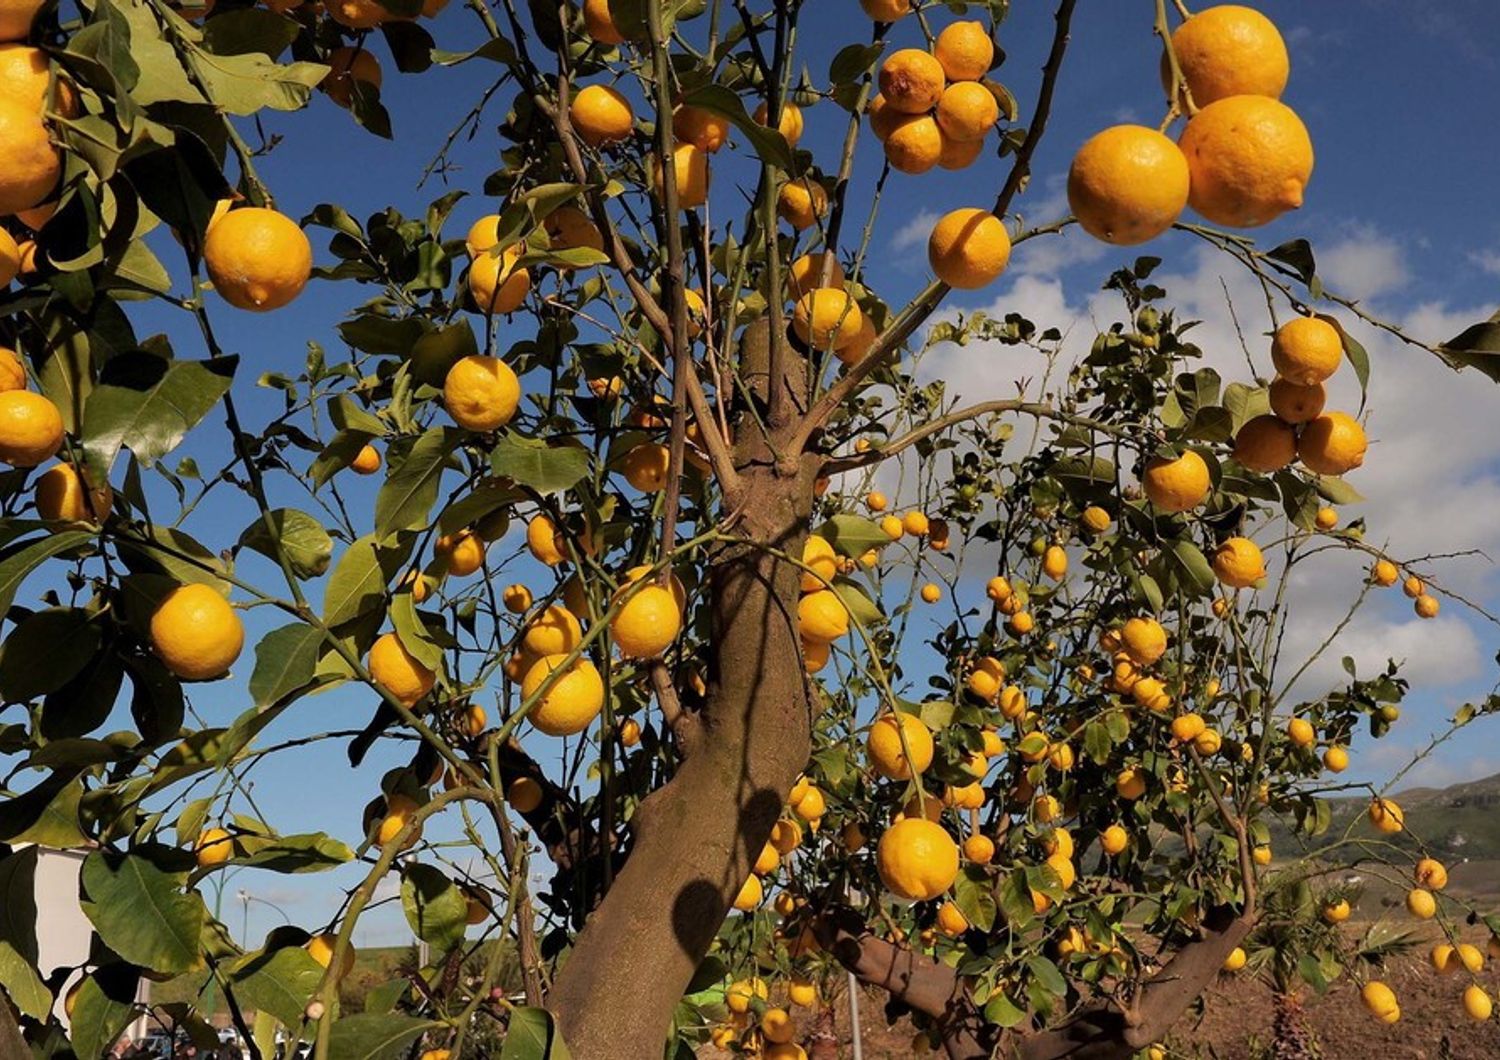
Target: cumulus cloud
914, 232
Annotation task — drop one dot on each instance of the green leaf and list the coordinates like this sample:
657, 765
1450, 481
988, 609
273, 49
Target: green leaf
375, 1037
1193, 566
21, 983
286, 660
18, 921
1336, 490
47, 650
148, 404
357, 584
97, 1018
281, 982
141, 913
313, 852
1297, 255
407, 496
46, 814
975, 897
999, 1009
496, 49
15, 567
244, 84
383, 336
853, 535
853, 61
769, 144
860, 607
249, 30
1048, 975
435, 907
1477, 347
307, 545
533, 1036
533, 463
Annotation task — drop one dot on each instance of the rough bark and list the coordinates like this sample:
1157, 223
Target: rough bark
695, 838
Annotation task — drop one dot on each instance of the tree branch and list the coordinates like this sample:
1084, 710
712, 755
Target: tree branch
923, 306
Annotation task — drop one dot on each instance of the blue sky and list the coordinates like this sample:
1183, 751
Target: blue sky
1400, 100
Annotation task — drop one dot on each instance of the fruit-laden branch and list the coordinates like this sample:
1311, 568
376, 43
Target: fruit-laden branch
1102, 1030
933, 989
1106, 1031
970, 412
912, 317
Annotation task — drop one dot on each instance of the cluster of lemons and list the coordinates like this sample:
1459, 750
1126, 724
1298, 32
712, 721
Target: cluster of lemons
1243, 159
760, 1028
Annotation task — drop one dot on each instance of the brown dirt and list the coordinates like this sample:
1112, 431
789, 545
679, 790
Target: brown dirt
1237, 1016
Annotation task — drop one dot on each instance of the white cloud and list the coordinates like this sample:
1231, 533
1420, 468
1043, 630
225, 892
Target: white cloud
1487, 260
914, 233
1364, 264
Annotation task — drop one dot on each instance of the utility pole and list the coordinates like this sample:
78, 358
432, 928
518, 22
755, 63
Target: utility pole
854, 1032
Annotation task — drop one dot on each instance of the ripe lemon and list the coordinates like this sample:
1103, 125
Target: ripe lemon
398, 812
1426, 606
886, 10
1095, 519
740, 994
32, 164
1144, 640
599, 24
885, 745
1413, 587
646, 466
914, 143
1229, 50
704, 129
791, 124
964, 51
1055, 562
818, 554
1477, 1003
397, 671
635, 574
827, 318
1306, 350
483, 235
802, 991
777, 1026
321, 947
61, 496
979, 849
1469, 956
545, 542
931, 593
966, 111
196, 633
1332, 444
462, 553
1235, 961
1326, 519
10, 268
801, 202
985, 682
495, 283
1238, 563
806, 274
647, 623
1186, 727
1301, 732
24, 74
1335, 760
1386, 816
348, 70
1266, 444
1177, 485
1114, 839
750, 894
213, 847
957, 154
811, 806
690, 167
572, 703
481, 393
258, 259
968, 248
1128, 184
569, 228
951, 920
1336, 912
911, 81
601, 115
1295, 403
1130, 784
916, 523
822, 617
1431, 874
553, 631
1249, 160
917, 859
1380, 1001
1421, 904
1151, 693
524, 794
366, 461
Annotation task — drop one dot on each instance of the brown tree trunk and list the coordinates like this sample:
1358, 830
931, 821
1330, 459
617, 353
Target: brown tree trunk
695, 838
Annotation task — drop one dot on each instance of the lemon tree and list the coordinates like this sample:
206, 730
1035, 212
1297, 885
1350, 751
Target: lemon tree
631, 439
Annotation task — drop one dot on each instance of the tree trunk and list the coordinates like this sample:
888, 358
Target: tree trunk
695, 838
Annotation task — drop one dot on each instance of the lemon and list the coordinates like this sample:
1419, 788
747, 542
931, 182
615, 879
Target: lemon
554, 631
1332, 444
647, 623
968, 248
917, 859
573, 701
1229, 50
1176, 485
196, 633
1128, 184
62, 496
258, 259
1249, 160
398, 671
1238, 563
885, 745
1265, 444
31, 428
213, 847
